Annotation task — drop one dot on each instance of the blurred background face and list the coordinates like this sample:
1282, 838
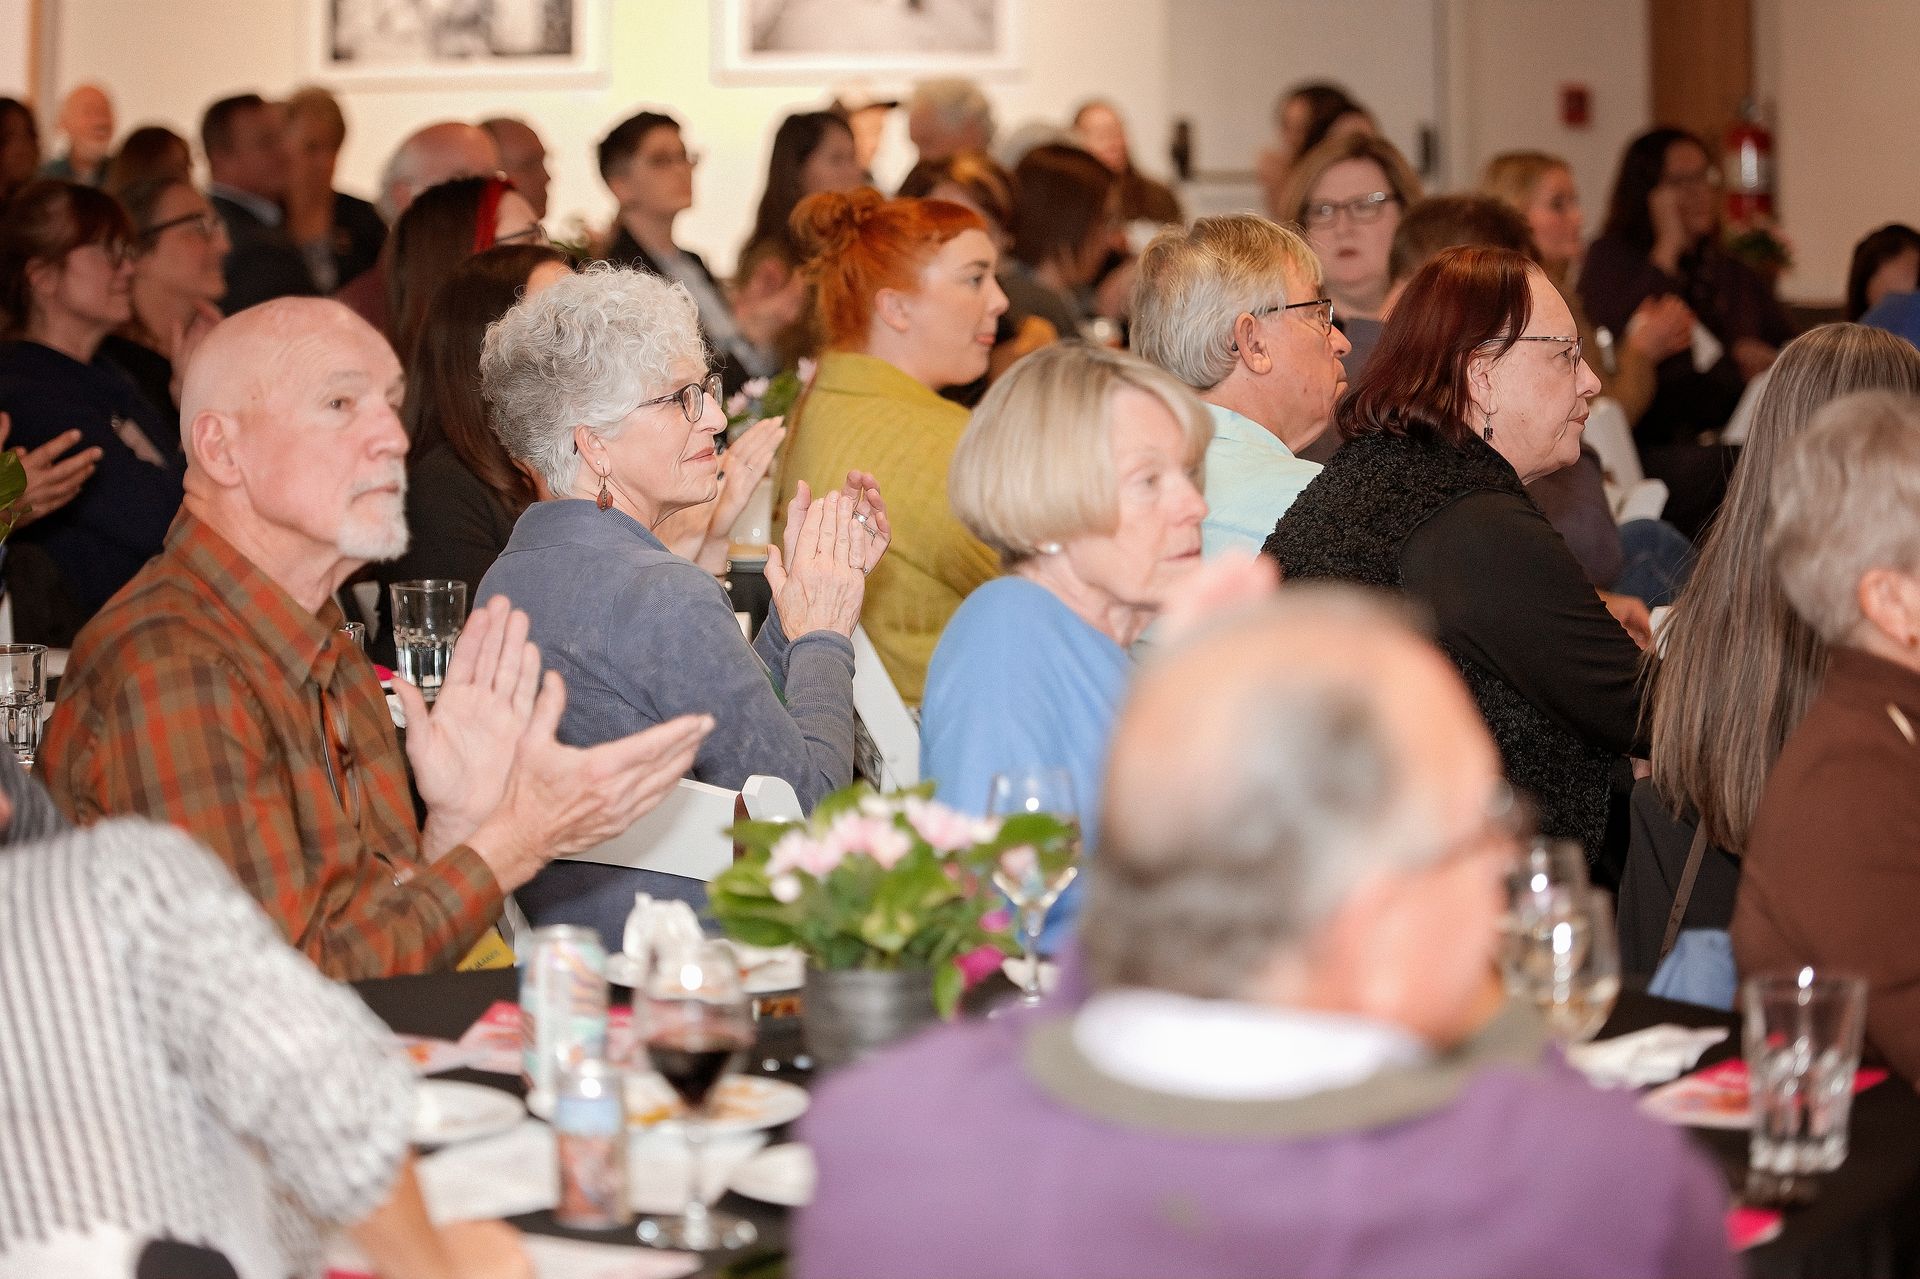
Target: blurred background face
183, 255
87, 120
19, 149
1691, 176
514, 221
91, 286
1353, 251
1104, 136
868, 124
834, 165
1898, 274
258, 161
1553, 214
313, 152
659, 178
523, 158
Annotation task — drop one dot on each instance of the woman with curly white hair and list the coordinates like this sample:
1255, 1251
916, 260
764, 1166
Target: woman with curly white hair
600, 387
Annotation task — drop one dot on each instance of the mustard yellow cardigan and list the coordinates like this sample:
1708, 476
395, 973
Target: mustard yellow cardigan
864, 414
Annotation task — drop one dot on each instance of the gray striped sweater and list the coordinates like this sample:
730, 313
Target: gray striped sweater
169, 1067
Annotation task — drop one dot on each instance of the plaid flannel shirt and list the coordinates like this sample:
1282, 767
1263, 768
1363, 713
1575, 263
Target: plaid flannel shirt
195, 697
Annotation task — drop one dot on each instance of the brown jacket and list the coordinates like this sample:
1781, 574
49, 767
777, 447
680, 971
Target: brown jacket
1832, 872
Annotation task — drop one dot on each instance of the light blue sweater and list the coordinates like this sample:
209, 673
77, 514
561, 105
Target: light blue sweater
1019, 681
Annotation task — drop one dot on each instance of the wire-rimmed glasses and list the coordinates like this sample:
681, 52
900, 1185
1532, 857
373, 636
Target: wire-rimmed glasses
693, 397
1320, 316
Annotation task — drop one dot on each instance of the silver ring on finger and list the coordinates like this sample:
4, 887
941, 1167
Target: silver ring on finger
860, 518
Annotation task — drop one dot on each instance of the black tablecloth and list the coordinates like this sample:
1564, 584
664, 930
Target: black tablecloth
1865, 1225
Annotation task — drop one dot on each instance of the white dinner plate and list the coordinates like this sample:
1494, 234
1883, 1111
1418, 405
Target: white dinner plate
783, 1175
446, 1112
742, 1103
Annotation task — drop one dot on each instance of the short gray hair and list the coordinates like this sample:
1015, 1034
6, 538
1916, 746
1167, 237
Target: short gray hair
954, 101
584, 351
1193, 282
1200, 886
1846, 500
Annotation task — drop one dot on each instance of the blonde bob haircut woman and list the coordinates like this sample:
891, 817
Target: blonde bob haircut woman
1035, 466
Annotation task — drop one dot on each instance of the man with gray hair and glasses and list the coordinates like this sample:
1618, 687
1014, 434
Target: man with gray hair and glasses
1294, 1059
1233, 307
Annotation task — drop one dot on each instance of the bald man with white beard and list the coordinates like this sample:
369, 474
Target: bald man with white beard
216, 691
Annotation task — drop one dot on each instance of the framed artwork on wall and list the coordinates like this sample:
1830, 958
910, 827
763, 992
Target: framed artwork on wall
823, 39
399, 43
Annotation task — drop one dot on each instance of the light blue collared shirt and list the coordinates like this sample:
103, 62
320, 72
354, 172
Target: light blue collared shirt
1252, 478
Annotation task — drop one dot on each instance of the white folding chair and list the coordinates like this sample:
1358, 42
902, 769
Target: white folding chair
886, 738
684, 834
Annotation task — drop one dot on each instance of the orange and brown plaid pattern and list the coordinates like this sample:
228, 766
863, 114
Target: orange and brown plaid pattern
195, 697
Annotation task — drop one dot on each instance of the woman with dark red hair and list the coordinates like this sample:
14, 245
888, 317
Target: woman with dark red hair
1477, 388
440, 230
907, 304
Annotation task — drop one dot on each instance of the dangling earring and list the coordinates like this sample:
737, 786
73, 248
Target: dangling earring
1486, 427
604, 499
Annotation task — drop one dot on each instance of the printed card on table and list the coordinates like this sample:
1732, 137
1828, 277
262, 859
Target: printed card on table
493, 1042
1717, 1096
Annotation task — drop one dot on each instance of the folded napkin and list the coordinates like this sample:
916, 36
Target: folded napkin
1650, 1056
501, 1176
654, 926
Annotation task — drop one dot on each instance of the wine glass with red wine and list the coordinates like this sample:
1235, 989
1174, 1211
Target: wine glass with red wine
698, 1024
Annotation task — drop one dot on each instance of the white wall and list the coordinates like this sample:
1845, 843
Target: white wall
16, 49
1846, 99
1507, 61
165, 62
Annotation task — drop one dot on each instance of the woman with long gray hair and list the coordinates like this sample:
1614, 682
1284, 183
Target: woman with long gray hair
1720, 710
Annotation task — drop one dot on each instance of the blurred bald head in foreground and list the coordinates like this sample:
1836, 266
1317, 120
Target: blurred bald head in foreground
1321, 837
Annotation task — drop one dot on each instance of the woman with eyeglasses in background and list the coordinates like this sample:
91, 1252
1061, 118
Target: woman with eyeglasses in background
1662, 236
99, 510
1477, 389
179, 244
1348, 195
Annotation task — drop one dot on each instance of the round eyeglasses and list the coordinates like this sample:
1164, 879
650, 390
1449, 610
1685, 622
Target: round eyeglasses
693, 397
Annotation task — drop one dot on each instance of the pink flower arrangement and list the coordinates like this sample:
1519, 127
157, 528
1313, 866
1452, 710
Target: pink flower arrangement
882, 881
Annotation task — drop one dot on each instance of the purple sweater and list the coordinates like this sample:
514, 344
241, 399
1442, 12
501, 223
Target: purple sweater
995, 1148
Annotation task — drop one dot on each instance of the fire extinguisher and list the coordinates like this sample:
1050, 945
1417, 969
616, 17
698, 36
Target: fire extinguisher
1749, 163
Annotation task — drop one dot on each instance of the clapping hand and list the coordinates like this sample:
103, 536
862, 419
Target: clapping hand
1661, 326
563, 799
462, 750
870, 518
820, 580
52, 481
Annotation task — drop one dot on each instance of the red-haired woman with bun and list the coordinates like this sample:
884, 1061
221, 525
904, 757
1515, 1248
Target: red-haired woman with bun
906, 304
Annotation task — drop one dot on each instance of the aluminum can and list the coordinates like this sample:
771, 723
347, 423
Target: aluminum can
590, 1139
563, 1006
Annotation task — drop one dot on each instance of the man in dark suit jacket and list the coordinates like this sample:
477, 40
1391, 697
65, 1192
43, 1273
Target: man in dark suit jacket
248, 164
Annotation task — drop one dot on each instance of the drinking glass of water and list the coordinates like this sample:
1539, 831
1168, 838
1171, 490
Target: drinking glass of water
427, 617
1802, 1038
23, 695
1033, 879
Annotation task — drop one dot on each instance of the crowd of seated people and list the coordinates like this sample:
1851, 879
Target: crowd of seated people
235, 401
